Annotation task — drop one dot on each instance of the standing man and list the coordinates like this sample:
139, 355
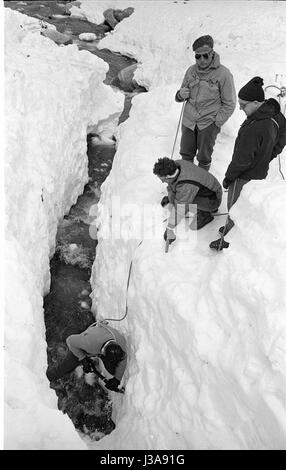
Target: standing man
261, 137
209, 92
187, 184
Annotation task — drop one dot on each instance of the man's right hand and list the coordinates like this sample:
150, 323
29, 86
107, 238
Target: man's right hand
169, 235
184, 93
165, 201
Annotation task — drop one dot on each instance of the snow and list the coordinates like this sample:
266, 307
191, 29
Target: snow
206, 331
49, 111
87, 37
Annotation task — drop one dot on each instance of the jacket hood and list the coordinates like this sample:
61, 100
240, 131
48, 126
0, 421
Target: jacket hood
268, 109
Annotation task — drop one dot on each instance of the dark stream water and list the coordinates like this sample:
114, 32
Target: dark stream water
67, 306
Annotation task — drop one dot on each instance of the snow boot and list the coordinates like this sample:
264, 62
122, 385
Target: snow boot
219, 244
203, 218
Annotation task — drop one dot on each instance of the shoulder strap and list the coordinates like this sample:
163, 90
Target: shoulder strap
203, 191
275, 122
195, 183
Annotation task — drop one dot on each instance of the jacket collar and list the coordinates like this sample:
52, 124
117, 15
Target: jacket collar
267, 110
177, 176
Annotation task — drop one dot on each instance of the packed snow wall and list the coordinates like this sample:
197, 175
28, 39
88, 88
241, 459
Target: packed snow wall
54, 97
206, 331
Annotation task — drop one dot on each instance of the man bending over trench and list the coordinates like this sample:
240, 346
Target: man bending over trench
188, 185
100, 341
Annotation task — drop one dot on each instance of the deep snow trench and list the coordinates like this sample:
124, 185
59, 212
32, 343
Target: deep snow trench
206, 333
67, 306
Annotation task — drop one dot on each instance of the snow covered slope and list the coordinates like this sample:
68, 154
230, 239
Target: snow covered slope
54, 96
206, 330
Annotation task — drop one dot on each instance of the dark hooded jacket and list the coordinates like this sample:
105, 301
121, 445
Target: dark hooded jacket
261, 137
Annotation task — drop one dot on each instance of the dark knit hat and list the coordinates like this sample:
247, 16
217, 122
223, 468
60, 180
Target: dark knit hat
203, 41
253, 90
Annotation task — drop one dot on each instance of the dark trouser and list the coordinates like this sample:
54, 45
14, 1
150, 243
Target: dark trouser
201, 141
69, 363
234, 191
206, 204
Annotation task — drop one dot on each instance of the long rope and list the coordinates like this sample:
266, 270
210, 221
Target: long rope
166, 249
127, 288
281, 95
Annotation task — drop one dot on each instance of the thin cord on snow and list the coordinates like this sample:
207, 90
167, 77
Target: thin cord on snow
127, 287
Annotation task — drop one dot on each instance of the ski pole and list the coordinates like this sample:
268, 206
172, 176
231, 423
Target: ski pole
227, 219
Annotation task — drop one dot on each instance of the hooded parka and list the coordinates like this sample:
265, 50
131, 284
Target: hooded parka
260, 138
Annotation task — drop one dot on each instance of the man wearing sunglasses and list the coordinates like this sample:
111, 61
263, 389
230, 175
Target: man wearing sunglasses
209, 92
261, 137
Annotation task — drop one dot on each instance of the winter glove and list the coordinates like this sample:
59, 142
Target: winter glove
226, 182
165, 201
169, 235
85, 363
112, 384
184, 93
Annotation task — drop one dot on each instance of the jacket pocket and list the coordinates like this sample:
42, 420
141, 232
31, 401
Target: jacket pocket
209, 92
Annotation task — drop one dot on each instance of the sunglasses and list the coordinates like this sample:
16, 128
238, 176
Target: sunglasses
205, 55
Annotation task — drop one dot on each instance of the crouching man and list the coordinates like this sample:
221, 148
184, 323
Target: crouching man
187, 184
100, 341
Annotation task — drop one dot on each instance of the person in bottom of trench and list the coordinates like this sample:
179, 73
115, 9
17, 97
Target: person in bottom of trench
100, 341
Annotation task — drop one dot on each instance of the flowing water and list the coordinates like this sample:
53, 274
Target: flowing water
67, 306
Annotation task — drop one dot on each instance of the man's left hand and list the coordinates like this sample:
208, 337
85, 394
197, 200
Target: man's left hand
112, 384
226, 183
